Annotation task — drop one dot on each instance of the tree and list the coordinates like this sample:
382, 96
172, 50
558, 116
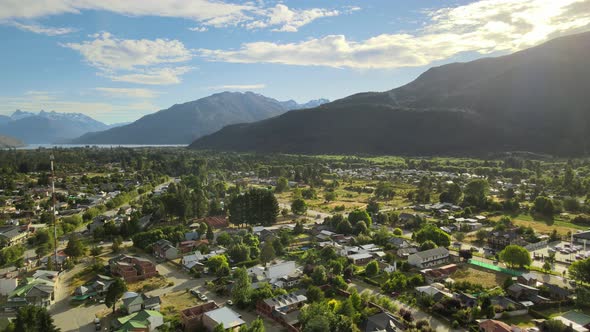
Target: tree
544, 206
460, 236
372, 269
257, 325
75, 247
515, 255
210, 235
34, 319
360, 228
434, 234
546, 266
267, 252
580, 270
398, 232
314, 294
219, 328
476, 192
360, 215
384, 190
282, 185
452, 194
299, 206
241, 289
117, 243
218, 264
114, 293
95, 251
256, 206
373, 206
426, 245
481, 235
330, 196
319, 276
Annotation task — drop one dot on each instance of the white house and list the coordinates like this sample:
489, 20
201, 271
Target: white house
428, 258
192, 260
7, 285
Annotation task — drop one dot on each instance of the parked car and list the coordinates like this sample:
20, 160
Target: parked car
229, 302
202, 297
195, 292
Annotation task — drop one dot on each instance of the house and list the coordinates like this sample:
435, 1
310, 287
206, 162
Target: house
34, 291
283, 309
466, 300
132, 268
399, 242
284, 274
383, 321
431, 257
59, 261
556, 292
500, 239
12, 235
582, 237
134, 302
491, 325
8, 285
406, 252
165, 249
192, 317
576, 319
144, 320
529, 279
386, 267
435, 293
215, 222
230, 319
522, 292
360, 259
192, 260
439, 273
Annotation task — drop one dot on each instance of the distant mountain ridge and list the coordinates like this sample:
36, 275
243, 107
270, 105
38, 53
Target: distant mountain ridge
47, 127
183, 123
293, 105
532, 100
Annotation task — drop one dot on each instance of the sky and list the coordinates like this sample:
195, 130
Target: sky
119, 60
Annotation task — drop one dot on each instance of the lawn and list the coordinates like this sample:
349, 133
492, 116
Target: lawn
475, 275
520, 321
543, 225
173, 303
560, 310
148, 284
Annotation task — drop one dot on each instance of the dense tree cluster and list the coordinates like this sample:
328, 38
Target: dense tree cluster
254, 207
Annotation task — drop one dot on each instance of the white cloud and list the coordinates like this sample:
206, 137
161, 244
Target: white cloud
484, 26
238, 87
36, 28
140, 61
199, 29
110, 53
290, 20
215, 13
159, 76
128, 92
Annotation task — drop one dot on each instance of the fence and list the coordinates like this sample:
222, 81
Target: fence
495, 268
535, 246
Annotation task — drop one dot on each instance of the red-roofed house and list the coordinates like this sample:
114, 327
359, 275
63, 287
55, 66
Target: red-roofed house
491, 325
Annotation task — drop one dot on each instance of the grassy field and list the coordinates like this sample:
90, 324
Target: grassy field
520, 321
486, 278
148, 284
173, 303
560, 310
545, 226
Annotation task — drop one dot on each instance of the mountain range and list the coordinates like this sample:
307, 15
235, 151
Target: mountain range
183, 123
47, 127
533, 100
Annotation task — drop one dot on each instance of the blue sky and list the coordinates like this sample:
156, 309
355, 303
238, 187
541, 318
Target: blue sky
118, 60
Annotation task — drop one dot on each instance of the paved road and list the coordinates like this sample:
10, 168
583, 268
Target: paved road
418, 314
67, 318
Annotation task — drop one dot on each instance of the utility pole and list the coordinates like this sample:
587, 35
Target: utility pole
51, 157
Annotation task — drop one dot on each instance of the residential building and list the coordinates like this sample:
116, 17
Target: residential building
144, 321
192, 317
360, 259
230, 319
428, 258
132, 268
284, 308
498, 240
491, 325
165, 249
383, 321
13, 235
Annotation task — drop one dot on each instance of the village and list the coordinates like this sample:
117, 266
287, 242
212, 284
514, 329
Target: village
367, 249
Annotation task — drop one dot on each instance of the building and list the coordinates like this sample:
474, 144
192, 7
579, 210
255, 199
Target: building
12, 235
133, 302
383, 321
144, 321
37, 290
216, 222
165, 249
582, 237
433, 292
284, 309
360, 259
491, 325
428, 258
192, 317
498, 240
579, 321
132, 268
230, 319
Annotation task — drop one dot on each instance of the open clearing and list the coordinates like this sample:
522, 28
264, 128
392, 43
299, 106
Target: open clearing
480, 276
